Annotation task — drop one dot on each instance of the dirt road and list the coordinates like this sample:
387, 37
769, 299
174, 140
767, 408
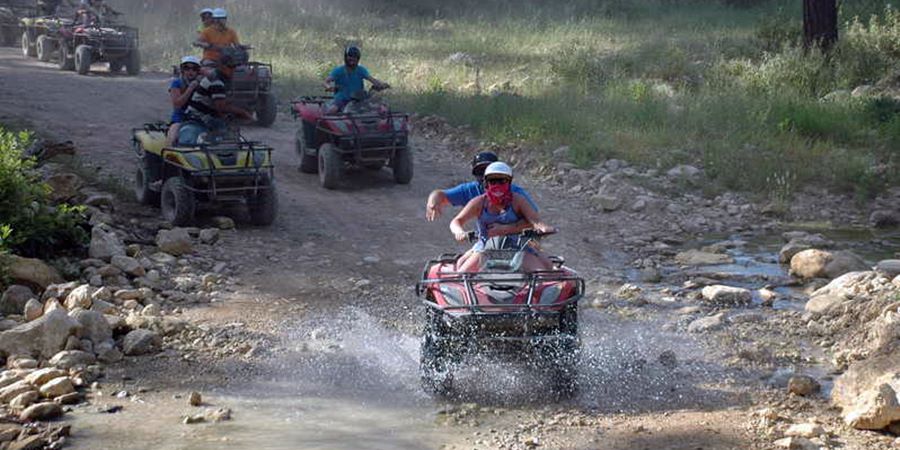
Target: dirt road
329, 285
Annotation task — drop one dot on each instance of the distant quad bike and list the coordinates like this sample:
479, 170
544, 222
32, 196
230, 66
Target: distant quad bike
367, 134
82, 46
532, 316
41, 36
224, 168
11, 14
250, 86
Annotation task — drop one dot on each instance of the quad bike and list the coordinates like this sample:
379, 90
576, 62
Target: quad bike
250, 84
222, 167
41, 36
500, 308
366, 133
11, 13
85, 45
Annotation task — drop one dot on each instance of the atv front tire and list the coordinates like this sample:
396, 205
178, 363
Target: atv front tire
266, 110
142, 191
133, 62
177, 202
436, 362
308, 163
44, 48
83, 59
330, 166
28, 49
264, 206
66, 61
402, 165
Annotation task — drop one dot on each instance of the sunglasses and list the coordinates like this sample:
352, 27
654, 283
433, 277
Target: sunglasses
193, 68
497, 181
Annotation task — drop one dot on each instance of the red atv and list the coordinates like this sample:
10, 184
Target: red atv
250, 84
500, 308
366, 134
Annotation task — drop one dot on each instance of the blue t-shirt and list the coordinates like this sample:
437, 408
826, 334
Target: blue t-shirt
178, 113
347, 82
461, 194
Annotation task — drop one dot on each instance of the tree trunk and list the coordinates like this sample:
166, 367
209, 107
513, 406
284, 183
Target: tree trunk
820, 23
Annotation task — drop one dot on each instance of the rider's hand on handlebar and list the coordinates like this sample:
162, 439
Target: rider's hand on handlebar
461, 236
543, 228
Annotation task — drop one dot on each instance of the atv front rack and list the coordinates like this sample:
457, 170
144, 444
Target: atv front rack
468, 280
216, 175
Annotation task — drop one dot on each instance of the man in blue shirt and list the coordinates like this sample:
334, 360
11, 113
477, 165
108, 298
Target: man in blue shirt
347, 80
461, 194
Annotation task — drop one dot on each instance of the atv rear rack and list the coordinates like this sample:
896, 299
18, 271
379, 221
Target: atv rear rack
527, 308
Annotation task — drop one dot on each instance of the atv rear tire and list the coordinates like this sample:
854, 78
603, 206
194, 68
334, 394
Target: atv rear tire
266, 110
177, 202
402, 165
330, 166
308, 163
142, 191
133, 62
264, 206
563, 360
44, 48
436, 362
66, 61
83, 59
28, 49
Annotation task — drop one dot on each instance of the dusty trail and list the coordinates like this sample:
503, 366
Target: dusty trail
342, 369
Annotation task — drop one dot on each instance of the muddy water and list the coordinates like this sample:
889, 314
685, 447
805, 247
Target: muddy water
353, 384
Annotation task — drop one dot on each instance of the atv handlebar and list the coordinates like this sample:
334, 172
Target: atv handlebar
530, 233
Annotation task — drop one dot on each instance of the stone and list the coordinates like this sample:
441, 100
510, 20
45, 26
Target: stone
190, 420
219, 415
874, 410
608, 201
883, 218
805, 430
44, 336
24, 400
105, 244
9, 432
151, 310
823, 304
52, 305
56, 387
103, 307
726, 295
141, 342
41, 411
650, 275
175, 242
21, 362
41, 376
209, 236
14, 299
80, 297
705, 324
128, 265
683, 171
163, 259
810, 263
70, 398
9, 377
223, 223
796, 443
68, 359
803, 385
889, 267
31, 272
700, 258
33, 309
104, 293
93, 325
843, 285
789, 250
99, 200
195, 399
32, 442
844, 262
129, 294
13, 390
63, 186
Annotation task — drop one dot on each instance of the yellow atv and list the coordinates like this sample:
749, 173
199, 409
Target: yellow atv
224, 168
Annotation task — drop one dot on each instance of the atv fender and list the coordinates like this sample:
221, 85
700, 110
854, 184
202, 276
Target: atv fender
151, 141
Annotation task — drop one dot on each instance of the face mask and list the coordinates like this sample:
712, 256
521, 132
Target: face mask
499, 194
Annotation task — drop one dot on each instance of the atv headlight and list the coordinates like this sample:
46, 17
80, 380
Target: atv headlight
550, 294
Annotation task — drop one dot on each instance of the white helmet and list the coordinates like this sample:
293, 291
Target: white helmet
220, 13
498, 168
206, 11
190, 59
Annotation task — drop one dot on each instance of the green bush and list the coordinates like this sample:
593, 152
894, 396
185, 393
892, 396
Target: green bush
30, 226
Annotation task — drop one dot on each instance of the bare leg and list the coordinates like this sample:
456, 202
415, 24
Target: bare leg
471, 264
172, 134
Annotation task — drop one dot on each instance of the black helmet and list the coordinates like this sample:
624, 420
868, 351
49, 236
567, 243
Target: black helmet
353, 51
481, 161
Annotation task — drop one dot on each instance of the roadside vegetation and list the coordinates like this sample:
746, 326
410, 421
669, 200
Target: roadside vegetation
721, 84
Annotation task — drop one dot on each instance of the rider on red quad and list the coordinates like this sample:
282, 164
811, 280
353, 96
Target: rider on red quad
495, 210
208, 105
347, 80
92, 11
461, 194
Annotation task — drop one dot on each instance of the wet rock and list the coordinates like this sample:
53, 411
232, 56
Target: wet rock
700, 258
105, 244
31, 272
822, 264
21, 362
56, 387
767, 296
884, 218
223, 223
141, 342
24, 400
9, 377
41, 411
33, 309
209, 236
726, 295
44, 336
803, 385
80, 297
175, 242
889, 267
14, 299
68, 359
705, 324
844, 262
805, 430
790, 249
94, 325
128, 265
100, 200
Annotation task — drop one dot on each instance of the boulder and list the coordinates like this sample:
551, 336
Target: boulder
68, 359
128, 265
141, 342
844, 262
80, 297
175, 242
209, 235
803, 385
810, 263
866, 392
41, 376
24, 400
32, 310
844, 284
883, 218
874, 410
790, 249
701, 258
105, 244
93, 325
63, 186
13, 390
31, 272
52, 305
824, 304
44, 336
889, 267
56, 387
726, 295
41, 411
14, 299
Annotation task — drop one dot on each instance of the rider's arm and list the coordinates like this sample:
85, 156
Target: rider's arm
524, 208
203, 40
435, 204
468, 213
181, 95
329, 83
